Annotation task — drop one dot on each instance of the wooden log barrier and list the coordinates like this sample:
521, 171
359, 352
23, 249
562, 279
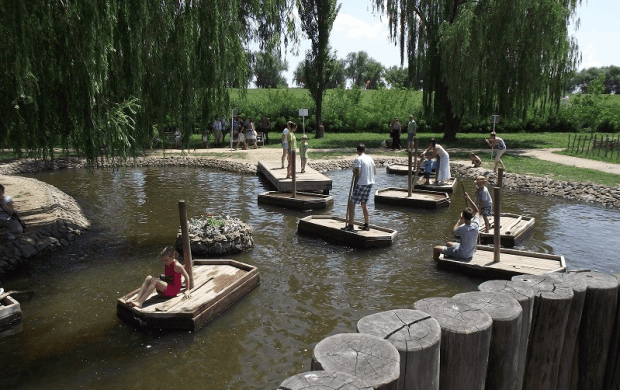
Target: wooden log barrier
525, 296
416, 336
324, 380
595, 330
612, 372
465, 341
568, 358
365, 356
552, 301
502, 369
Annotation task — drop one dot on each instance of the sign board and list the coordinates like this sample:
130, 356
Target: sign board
235, 113
495, 119
303, 112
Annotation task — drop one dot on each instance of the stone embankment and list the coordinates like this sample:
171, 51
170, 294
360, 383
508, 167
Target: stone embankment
219, 244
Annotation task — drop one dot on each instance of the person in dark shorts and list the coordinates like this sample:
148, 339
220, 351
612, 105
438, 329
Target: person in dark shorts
364, 171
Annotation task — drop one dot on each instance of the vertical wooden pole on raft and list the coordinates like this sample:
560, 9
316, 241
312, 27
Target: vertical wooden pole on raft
409, 174
293, 175
187, 252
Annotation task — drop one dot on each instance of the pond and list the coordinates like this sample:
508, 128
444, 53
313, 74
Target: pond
310, 288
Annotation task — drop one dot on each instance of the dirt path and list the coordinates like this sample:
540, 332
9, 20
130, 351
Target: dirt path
549, 155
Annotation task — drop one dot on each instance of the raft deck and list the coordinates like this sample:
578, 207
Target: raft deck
309, 181
330, 228
217, 285
513, 229
301, 201
447, 187
512, 262
419, 198
10, 315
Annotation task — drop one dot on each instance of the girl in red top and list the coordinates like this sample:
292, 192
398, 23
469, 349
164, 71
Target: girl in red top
173, 270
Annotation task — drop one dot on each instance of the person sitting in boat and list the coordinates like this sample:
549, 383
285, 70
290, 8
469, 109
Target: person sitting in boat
467, 229
484, 201
444, 162
173, 270
475, 160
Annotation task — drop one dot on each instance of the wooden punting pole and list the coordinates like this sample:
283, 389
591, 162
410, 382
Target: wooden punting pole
294, 176
187, 252
409, 175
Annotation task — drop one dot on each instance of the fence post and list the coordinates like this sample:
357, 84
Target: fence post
589, 144
568, 145
606, 145
573, 147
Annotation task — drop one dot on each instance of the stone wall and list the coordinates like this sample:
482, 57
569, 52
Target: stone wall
218, 245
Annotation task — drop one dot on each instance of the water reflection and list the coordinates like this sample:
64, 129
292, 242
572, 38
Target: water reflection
310, 288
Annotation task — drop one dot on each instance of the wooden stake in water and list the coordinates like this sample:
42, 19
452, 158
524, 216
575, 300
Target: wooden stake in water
500, 177
294, 176
187, 252
410, 174
496, 222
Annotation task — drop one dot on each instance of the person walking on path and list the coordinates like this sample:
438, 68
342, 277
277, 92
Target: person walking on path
467, 229
494, 141
437, 150
284, 141
412, 128
291, 140
265, 126
364, 171
395, 133
484, 201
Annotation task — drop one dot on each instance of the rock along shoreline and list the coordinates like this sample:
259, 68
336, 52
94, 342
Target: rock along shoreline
64, 220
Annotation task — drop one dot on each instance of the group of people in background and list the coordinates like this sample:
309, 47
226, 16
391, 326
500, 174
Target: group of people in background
396, 129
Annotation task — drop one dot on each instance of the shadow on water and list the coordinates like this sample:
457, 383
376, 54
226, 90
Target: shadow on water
310, 288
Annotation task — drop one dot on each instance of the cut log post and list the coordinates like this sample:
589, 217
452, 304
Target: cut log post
187, 251
324, 380
500, 177
367, 357
552, 301
416, 336
505, 336
568, 358
595, 330
465, 341
525, 296
612, 372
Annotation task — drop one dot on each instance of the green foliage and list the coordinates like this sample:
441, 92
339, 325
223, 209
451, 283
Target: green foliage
268, 68
580, 81
364, 71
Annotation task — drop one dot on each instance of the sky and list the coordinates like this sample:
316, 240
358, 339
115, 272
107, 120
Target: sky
357, 28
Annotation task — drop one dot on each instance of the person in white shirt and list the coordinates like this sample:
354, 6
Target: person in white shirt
364, 171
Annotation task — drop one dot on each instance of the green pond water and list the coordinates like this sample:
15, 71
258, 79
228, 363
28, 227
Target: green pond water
310, 288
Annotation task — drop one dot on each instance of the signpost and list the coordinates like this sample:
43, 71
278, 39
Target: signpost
303, 113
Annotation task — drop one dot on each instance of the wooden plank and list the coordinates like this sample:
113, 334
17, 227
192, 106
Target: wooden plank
448, 187
329, 227
311, 180
419, 198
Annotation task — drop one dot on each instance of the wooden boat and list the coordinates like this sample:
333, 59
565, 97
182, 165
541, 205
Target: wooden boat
311, 180
512, 262
301, 201
419, 198
329, 228
447, 187
10, 315
217, 285
513, 228
397, 169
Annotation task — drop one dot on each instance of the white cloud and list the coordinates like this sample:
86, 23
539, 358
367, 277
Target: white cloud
351, 27
587, 58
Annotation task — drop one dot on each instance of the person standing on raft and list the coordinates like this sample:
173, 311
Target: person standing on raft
173, 270
364, 171
467, 229
443, 174
484, 201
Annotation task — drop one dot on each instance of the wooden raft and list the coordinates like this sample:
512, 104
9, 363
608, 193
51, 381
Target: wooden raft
512, 262
311, 180
398, 169
301, 201
10, 314
329, 228
513, 228
448, 187
419, 198
217, 285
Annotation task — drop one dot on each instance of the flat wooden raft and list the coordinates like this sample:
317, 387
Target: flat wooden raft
419, 198
10, 314
448, 187
512, 262
398, 169
513, 229
311, 180
301, 201
329, 228
217, 284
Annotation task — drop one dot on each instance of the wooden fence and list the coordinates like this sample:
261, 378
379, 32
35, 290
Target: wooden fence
594, 144
546, 332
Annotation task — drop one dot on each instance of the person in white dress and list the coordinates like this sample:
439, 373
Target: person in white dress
443, 173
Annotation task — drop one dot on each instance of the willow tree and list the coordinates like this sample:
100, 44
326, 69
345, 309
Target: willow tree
96, 75
485, 57
317, 19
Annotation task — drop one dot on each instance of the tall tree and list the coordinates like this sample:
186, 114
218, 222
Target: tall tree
317, 18
96, 75
485, 57
268, 68
336, 74
364, 71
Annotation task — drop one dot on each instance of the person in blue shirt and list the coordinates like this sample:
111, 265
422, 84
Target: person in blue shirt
466, 228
